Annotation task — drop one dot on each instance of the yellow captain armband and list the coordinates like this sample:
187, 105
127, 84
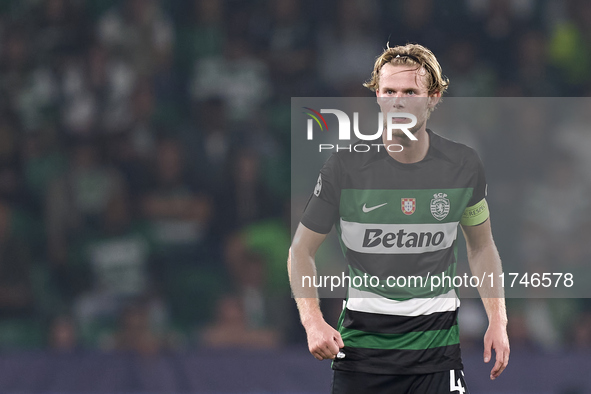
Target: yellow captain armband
476, 214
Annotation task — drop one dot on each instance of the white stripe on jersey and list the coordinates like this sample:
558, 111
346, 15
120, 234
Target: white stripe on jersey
364, 301
385, 238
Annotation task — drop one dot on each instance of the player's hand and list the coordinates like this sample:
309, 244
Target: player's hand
496, 338
324, 341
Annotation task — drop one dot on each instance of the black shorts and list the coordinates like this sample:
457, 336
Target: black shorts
452, 381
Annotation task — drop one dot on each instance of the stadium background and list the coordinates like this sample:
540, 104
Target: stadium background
145, 191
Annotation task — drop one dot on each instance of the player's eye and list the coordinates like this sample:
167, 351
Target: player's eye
411, 92
389, 91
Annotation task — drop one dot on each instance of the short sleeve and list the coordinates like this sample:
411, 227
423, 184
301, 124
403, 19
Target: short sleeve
322, 209
477, 210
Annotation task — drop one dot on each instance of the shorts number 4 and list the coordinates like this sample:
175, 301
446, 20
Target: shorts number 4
455, 385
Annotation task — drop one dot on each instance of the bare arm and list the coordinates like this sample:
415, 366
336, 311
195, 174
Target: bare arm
323, 340
484, 257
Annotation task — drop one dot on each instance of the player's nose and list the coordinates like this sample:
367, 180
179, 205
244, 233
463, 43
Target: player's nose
398, 101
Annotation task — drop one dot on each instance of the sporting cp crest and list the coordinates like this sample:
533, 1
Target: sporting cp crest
409, 205
440, 206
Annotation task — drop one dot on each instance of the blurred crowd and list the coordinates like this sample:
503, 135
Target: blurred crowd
145, 157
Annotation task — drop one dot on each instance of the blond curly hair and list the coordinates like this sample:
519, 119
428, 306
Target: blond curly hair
411, 54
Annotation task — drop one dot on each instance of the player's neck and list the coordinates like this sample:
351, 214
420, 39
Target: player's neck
412, 151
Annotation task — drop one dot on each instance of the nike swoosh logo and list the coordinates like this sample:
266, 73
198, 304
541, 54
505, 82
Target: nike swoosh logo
366, 209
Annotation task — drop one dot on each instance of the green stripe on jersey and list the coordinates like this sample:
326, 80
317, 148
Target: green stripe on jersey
361, 206
410, 341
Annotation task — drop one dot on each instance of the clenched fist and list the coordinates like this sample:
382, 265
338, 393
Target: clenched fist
324, 341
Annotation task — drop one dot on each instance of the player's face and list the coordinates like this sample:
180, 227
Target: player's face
403, 89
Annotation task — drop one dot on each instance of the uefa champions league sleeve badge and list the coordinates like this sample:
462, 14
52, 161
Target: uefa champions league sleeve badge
318, 187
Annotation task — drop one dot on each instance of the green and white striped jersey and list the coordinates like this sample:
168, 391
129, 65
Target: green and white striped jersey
399, 220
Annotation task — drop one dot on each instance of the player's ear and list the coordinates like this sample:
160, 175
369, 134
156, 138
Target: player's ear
434, 99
